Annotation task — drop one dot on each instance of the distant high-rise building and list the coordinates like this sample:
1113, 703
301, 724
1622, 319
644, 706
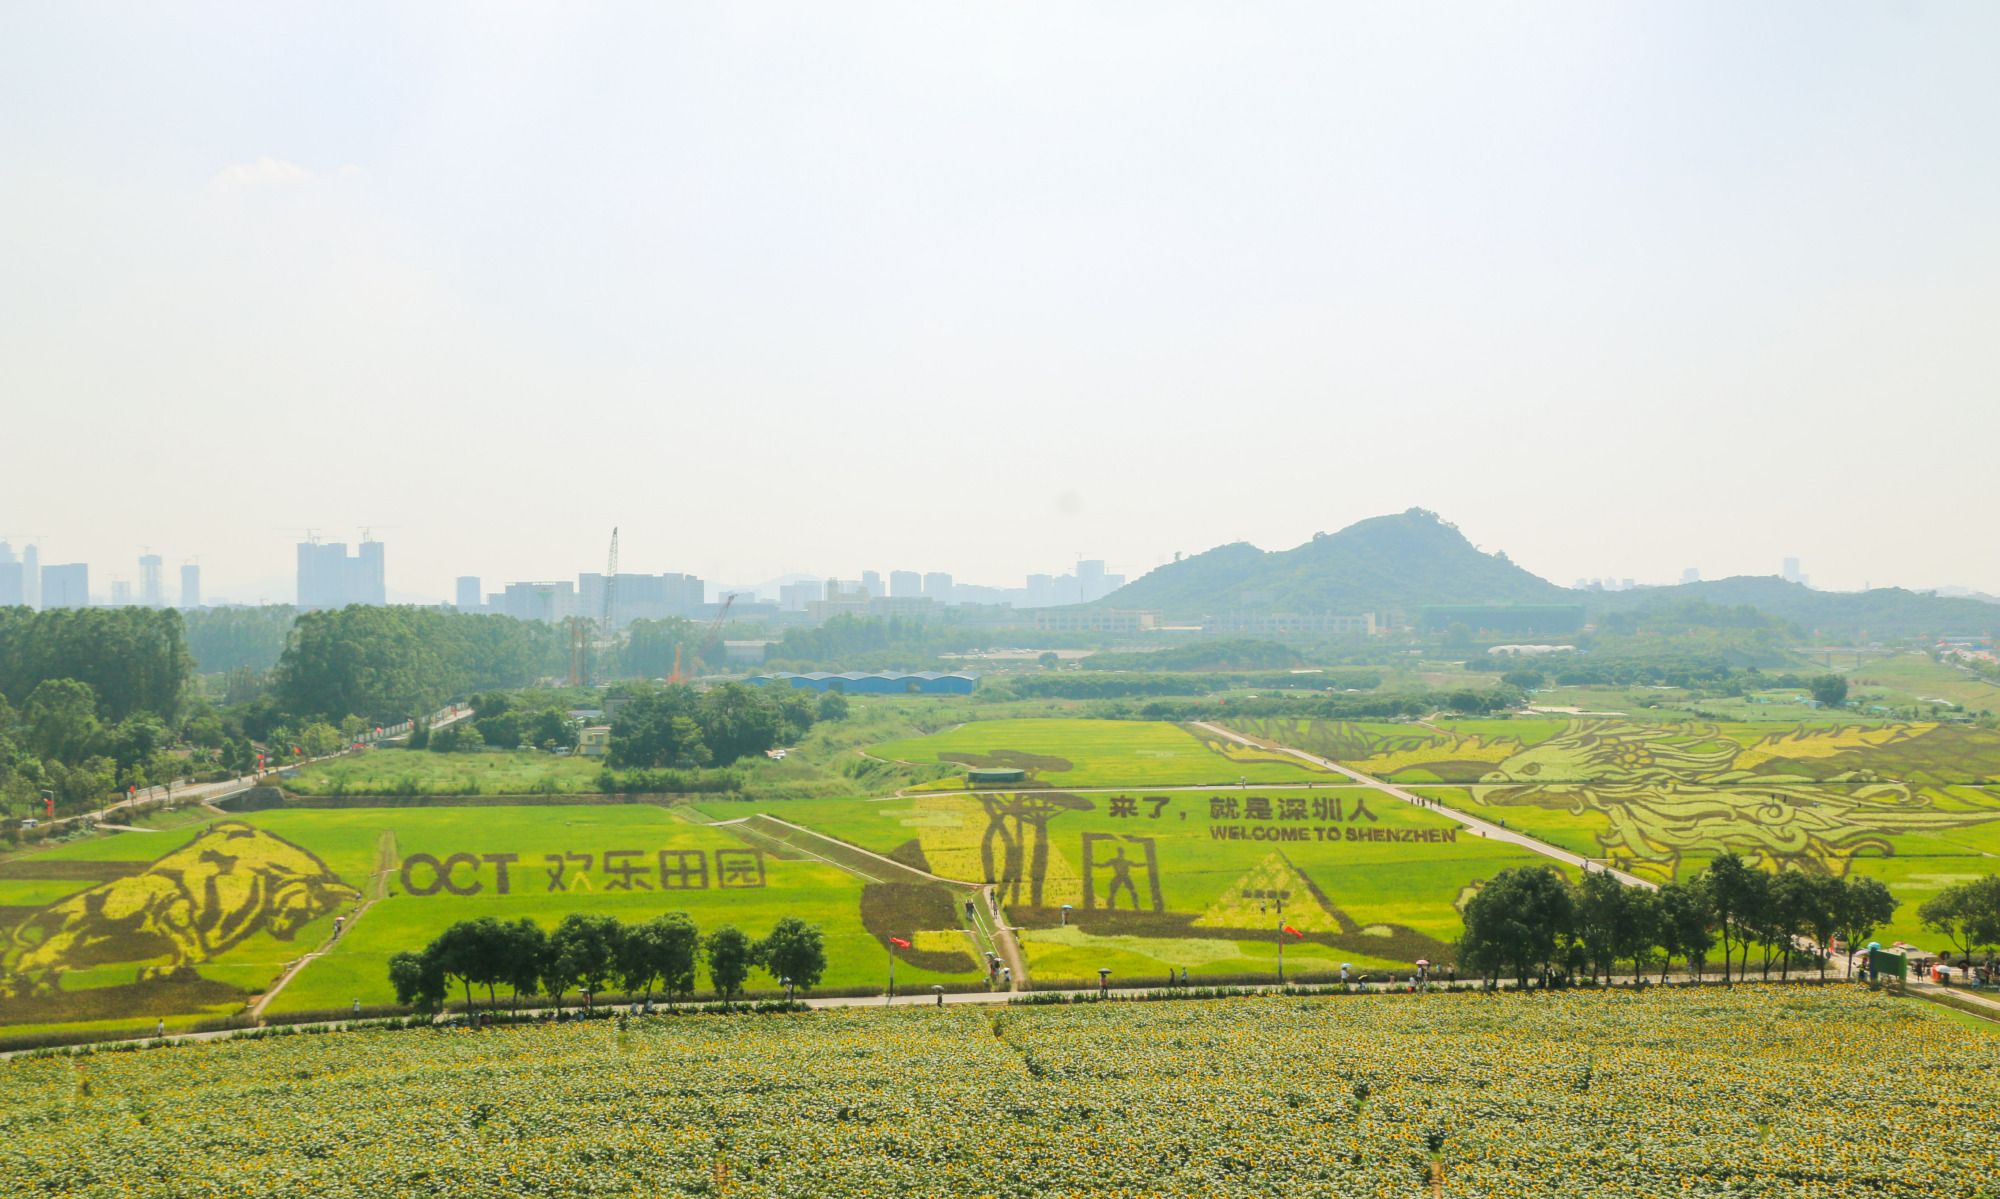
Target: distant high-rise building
1792, 573
793, 597
905, 583
121, 593
871, 583
938, 586
190, 585
1090, 579
152, 588
329, 578
549, 602
372, 577
468, 594
1691, 575
1041, 591
13, 584
66, 586
31, 572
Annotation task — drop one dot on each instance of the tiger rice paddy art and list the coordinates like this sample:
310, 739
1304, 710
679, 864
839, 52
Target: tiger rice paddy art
192, 905
1813, 797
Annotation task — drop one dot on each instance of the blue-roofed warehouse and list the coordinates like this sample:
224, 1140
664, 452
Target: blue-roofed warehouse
854, 682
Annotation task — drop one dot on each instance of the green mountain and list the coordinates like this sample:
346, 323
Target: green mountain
1404, 563
1386, 564
1882, 612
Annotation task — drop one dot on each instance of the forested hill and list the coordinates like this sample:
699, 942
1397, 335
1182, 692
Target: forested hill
1403, 563
1881, 612
1385, 564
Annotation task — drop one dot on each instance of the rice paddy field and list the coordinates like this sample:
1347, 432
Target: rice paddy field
1748, 1091
417, 772
123, 930
1141, 883
1912, 804
1134, 847
1095, 753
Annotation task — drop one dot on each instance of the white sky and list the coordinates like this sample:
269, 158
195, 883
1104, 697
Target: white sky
1619, 288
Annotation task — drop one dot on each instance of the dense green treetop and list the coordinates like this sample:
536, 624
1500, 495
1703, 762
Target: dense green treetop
385, 664
134, 659
226, 639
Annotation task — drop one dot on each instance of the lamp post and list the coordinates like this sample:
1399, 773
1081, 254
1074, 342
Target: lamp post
1279, 899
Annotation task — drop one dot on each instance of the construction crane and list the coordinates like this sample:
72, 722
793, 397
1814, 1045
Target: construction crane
714, 626
610, 585
586, 636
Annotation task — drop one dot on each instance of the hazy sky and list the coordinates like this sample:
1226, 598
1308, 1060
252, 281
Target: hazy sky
1619, 288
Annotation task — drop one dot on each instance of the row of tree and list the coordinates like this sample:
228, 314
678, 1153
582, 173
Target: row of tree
388, 664
1532, 923
587, 953
678, 726
133, 659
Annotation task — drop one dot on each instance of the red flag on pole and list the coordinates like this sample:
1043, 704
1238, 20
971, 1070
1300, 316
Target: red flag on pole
1295, 932
899, 943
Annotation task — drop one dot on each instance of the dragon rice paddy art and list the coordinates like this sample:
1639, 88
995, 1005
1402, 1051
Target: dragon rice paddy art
1813, 797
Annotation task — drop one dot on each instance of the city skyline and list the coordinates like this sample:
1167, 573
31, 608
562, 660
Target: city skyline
364, 577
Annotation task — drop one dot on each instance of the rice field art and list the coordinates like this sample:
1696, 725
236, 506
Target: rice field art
156, 923
1142, 883
289, 912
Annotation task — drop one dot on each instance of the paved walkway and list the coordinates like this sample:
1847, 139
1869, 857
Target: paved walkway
1484, 828
206, 793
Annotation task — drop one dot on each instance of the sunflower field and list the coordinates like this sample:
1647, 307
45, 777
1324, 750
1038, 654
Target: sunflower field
1796, 1091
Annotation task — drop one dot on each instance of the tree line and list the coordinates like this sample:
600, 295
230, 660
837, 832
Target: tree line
1086, 684
586, 953
389, 664
676, 726
1320, 705
133, 659
1531, 923
93, 699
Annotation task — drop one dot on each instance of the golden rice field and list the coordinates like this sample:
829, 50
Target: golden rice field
1798, 1091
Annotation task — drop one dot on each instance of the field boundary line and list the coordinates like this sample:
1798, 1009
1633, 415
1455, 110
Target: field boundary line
1491, 832
869, 853
378, 889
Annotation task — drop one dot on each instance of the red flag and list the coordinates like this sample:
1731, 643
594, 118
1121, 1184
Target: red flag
1295, 932
899, 943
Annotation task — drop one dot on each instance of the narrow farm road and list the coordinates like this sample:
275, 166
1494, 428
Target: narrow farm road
980, 898
378, 887
1490, 831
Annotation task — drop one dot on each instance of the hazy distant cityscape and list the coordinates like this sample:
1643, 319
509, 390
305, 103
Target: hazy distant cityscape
332, 574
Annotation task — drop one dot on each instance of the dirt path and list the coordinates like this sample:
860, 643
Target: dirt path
1491, 832
385, 861
894, 867
1001, 935
1006, 938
